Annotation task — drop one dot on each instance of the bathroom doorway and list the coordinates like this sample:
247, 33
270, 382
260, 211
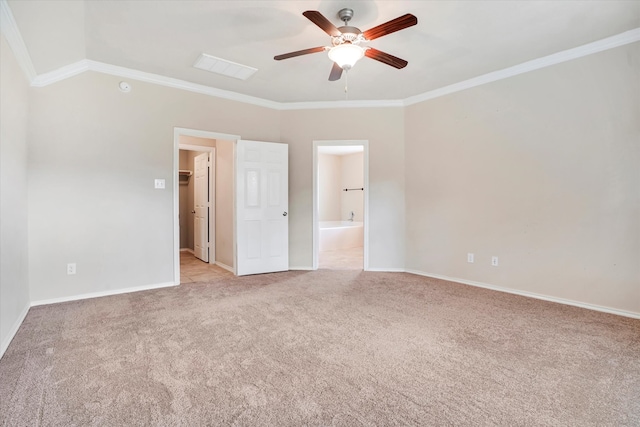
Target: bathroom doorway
340, 196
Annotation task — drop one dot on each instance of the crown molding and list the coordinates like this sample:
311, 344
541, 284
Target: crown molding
14, 38
89, 65
318, 105
158, 79
12, 34
62, 73
621, 39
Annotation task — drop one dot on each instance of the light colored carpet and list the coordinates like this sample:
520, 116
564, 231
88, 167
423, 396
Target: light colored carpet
323, 348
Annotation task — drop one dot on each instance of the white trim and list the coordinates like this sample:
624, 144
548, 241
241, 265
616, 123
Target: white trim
11, 32
205, 134
564, 301
177, 132
158, 79
199, 148
234, 209
62, 73
14, 329
622, 39
225, 266
104, 293
386, 270
187, 250
315, 213
300, 268
319, 105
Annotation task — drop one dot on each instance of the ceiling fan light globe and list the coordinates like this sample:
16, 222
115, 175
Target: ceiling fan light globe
346, 55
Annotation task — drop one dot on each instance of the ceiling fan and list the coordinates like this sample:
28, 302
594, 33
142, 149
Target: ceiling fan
346, 50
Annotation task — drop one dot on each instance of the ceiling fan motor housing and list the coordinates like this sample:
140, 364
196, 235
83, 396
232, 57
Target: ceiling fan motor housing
349, 34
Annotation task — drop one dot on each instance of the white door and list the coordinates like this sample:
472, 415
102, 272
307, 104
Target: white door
201, 206
262, 205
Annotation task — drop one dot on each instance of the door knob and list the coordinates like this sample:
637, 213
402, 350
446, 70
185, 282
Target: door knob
284, 214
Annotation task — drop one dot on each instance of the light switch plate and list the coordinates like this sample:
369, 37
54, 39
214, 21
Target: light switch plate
159, 184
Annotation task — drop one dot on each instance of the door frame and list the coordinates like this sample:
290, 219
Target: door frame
316, 211
177, 132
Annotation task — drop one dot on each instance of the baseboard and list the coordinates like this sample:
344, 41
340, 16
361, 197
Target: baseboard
103, 294
225, 266
14, 330
386, 270
300, 268
588, 306
187, 250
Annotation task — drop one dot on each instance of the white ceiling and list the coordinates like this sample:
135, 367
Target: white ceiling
453, 41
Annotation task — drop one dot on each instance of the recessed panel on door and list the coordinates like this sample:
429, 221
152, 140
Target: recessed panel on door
273, 156
275, 234
254, 237
252, 155
273, 188
252, 190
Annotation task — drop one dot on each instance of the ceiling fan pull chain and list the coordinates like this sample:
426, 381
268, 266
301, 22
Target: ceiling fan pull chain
346, 84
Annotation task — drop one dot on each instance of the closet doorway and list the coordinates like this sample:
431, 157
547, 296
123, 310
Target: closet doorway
197, 183
203, 231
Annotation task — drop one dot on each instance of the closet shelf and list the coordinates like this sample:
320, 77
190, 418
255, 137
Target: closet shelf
184, 176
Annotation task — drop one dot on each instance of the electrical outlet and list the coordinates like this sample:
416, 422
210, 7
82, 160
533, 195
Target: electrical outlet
494, 261
470, 257
71, 268
159, 184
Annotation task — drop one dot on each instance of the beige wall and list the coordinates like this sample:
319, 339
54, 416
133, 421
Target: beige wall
335, 173
14, 285
351, 176
384, 129
224, 202
541, 170
329, 177
94, 153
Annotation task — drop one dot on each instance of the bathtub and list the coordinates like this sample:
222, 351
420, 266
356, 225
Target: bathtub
335, 235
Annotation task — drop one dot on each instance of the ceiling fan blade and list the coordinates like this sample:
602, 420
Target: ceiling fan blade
299, 53
336, 73
392, 26
383, 57
322, 22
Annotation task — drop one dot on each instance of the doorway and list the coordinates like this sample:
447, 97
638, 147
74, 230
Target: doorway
216, 245
340, 204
